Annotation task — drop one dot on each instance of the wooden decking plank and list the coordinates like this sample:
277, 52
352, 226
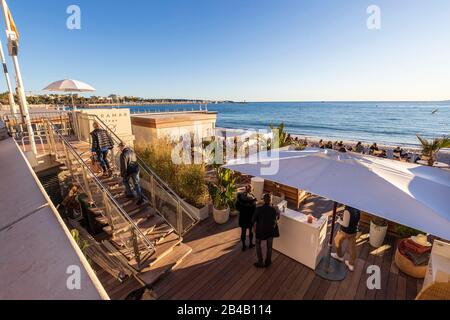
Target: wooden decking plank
401, 287
244, 263
385, 272
272, 283
302, 286
253, 282
206, 285
204, 252
276, 293
411, 288
312, 288
322, 290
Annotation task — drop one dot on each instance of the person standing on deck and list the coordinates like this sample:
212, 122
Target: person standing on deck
101, 144
349, 228
246, 205
129, 170
265, 221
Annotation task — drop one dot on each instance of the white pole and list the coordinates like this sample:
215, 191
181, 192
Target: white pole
21, 92
12, 104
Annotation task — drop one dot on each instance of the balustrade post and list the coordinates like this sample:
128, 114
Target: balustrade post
137, 255
107, 211
152, 191
86, 182
179, 220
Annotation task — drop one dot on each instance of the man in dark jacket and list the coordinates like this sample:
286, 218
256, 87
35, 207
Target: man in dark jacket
266, 228
101, 144
129, 170
246, 205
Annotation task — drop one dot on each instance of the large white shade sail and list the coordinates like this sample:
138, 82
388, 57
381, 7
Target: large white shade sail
409, 194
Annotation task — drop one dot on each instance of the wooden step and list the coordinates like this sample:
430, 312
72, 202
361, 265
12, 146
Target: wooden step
162, 267
145, 221
164, 247
134, 208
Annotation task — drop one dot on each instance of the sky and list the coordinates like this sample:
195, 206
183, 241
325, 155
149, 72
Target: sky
253, 50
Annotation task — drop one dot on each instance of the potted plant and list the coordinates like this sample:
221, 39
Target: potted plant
431, 148
378, 230
222, 194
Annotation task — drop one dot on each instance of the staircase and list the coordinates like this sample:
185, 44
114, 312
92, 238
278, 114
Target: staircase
147, 236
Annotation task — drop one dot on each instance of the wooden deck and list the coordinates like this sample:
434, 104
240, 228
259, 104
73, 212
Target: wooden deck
218, 269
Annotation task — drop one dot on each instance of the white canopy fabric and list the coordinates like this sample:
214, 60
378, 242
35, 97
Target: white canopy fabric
69, 86
409, 194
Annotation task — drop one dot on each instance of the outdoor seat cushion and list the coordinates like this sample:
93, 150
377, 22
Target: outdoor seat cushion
407, 266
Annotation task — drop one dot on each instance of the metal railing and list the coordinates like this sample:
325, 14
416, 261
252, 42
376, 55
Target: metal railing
123, 228
167, 203
165, 110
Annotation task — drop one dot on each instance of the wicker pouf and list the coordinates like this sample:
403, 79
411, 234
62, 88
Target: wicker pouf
405, 265
436, 291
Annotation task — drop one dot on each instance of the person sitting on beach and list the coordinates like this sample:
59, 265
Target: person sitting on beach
289, 138
359, 147
329, 145
321, 144
373, 148
399, 154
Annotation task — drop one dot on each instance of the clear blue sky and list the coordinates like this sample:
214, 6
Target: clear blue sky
254, 50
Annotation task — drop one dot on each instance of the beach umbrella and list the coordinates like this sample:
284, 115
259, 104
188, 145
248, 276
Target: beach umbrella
405, 193
70, 86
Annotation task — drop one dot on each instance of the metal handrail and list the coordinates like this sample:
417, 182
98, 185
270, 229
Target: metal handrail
102, 187
149, 171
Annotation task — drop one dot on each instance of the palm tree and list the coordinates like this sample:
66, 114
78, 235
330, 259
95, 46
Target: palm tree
282, 135
431, 148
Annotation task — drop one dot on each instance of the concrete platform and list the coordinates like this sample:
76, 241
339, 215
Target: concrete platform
36, 247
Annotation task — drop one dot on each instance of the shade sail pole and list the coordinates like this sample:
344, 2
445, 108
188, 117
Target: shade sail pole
333, 224
19, 81
329, 268
12, 104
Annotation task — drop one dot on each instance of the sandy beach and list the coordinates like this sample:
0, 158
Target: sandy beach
443, 156
414, 151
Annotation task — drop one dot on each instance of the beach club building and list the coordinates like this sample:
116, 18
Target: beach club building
148, 127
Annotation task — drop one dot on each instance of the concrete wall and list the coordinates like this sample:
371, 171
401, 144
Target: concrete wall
118, 120
36, 248
147, 128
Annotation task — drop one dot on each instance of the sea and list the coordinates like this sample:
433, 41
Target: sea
389, 123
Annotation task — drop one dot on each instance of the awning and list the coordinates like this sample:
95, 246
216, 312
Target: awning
409, 194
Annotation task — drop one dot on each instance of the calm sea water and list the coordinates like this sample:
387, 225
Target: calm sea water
383, 122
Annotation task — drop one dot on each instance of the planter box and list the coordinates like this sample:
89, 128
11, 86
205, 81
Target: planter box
200, 214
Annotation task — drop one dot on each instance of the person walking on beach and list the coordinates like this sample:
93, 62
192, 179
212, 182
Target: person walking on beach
246, 205
349, 228
129, 170
265, 221
101, 144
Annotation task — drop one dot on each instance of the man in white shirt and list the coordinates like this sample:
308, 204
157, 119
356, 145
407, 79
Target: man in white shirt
349, 228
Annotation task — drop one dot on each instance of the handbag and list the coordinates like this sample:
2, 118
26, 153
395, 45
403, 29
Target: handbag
276, 230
